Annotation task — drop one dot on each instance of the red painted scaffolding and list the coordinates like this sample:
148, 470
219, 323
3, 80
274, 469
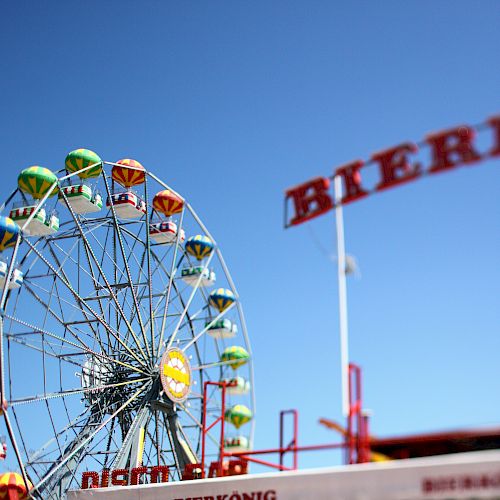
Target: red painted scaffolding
356, 442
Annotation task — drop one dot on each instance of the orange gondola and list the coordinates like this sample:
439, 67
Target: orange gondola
128, 173
168, 203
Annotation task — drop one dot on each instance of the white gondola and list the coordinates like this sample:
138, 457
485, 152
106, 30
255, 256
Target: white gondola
81, 199
237, 386
222, 329
40, 225
127, 205
16, 279
190, 276
165, 232
236, 444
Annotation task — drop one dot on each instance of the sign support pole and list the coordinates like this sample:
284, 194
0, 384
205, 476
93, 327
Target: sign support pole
341, 262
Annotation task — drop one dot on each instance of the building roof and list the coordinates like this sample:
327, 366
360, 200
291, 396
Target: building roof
437, 443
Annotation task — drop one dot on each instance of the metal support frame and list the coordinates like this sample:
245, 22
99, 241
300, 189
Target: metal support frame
292, 446
356, 443
222, 385
342, 287
357, 438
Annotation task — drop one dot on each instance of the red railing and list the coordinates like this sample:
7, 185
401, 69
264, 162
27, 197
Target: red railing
356, 441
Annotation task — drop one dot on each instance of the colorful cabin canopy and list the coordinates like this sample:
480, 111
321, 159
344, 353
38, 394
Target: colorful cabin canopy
221, 299
9, 232
12, 486
237, 385
168, 203
236, 354
83, 158
166, 232
128, 173
36, 181
199, 246
81, 198
223, 328
238, 415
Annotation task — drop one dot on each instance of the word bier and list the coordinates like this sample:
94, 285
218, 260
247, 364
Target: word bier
448, 149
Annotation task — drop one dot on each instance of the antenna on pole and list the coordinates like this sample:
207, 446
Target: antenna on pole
341, 266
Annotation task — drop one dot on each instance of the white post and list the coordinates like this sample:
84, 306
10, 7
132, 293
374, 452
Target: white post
344, 344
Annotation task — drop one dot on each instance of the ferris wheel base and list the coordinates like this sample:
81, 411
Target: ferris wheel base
452, 477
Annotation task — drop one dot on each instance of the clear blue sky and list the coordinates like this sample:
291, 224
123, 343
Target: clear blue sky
231, 102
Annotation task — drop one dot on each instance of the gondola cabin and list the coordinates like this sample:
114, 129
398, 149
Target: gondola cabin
16, 279
237, 386
165, 232
236, 444
40, 224
127, 205
190, 275
81, 199
222, 329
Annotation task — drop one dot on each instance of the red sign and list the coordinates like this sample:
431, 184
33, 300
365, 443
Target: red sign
120, 477
448, 149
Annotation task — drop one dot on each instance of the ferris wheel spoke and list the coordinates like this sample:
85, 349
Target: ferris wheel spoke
127, 268
170, 275
131, 249
64, 470
77, 445
207, 326
85, 350
39, 349
158, 259
162, 300
199, 424
186, 306
142, 281
76, 335
33, 285
101, 271
156, 310
42, 452
149, 277
64, 275
212, 365
106, 257
82, 301
83, 269
105, 254
71, 392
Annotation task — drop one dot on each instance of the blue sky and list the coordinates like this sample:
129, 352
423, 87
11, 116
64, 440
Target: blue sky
233, 102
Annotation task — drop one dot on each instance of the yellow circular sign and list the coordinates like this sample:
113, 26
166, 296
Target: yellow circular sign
175, 375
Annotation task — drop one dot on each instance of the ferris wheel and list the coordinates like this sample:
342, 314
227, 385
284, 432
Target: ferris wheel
116, 307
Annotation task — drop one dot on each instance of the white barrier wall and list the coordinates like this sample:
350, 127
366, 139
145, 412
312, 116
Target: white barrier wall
463, 476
